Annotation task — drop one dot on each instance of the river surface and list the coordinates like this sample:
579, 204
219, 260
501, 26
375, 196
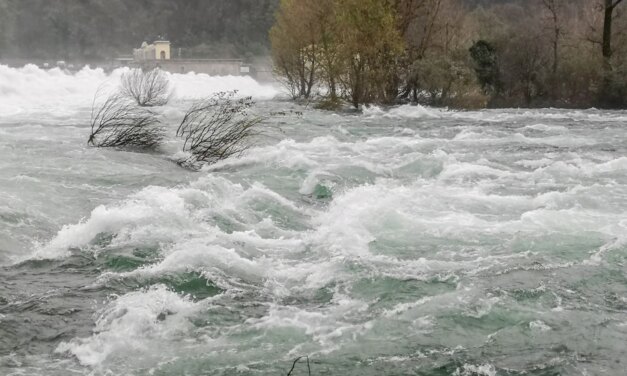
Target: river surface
398, 241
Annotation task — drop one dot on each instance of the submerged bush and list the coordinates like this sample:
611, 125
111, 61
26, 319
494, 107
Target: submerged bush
118, 122
217, 128
147, 88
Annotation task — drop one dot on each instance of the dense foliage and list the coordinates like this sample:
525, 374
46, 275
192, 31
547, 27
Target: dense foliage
568, 53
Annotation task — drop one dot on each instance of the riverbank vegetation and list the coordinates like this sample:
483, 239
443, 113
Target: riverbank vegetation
212, 129
217, 128
467, 54
120, 122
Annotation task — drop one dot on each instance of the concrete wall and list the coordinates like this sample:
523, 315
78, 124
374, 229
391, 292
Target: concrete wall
210, 67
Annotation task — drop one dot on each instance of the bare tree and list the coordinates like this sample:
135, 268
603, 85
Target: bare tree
119, 122
217, 128
610, 96
553, 7
296, 38
147, 88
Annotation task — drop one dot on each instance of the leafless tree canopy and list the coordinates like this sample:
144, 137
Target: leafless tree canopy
217, 128
147, 88
119, 122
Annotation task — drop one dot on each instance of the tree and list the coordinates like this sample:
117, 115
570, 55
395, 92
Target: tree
217, 128
608, 11
118, 122
295, 40
431, 29
445, 80
553, 7
147, 88
329, 46
611, 91
371, 46
349, 43
385, 50
486, 66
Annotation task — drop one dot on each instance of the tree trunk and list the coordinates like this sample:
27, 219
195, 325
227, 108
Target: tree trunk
556, 46
607, 96
607, 29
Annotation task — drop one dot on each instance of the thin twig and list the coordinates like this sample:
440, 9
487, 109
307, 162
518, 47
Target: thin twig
296, 361
217, 128
147, 88
117, 122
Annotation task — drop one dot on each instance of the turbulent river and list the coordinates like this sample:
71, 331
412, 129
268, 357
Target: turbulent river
398, 241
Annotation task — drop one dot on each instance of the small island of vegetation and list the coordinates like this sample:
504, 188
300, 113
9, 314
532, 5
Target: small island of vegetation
465, 54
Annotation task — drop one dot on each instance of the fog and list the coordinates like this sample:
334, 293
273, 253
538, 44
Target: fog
84, 30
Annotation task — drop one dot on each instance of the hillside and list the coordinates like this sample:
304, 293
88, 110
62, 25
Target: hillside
93, 29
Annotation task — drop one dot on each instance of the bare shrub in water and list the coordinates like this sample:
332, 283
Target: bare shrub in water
217, 128
118, 122
147, 88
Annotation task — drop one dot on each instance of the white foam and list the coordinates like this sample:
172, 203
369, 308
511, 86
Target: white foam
407, 111
59, 93
476, 370
266, 243
134, 324
140, 218
539, 325
326, 326
547, 128
500, 116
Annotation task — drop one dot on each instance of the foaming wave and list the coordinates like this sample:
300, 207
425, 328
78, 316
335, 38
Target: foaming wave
381, 225
148, 216
212, 207
59, 93
583, 168
547, 128
328, 326
132, 323
470, 136
407, 111
30, 89
498, 116
198, 85
476, 370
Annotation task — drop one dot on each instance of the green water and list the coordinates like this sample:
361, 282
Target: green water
405, 241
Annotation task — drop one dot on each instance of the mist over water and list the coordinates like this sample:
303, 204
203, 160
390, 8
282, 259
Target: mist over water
408, 240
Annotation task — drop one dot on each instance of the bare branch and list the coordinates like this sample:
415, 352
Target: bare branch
296, 361
117, 122
217, 128
147, 88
